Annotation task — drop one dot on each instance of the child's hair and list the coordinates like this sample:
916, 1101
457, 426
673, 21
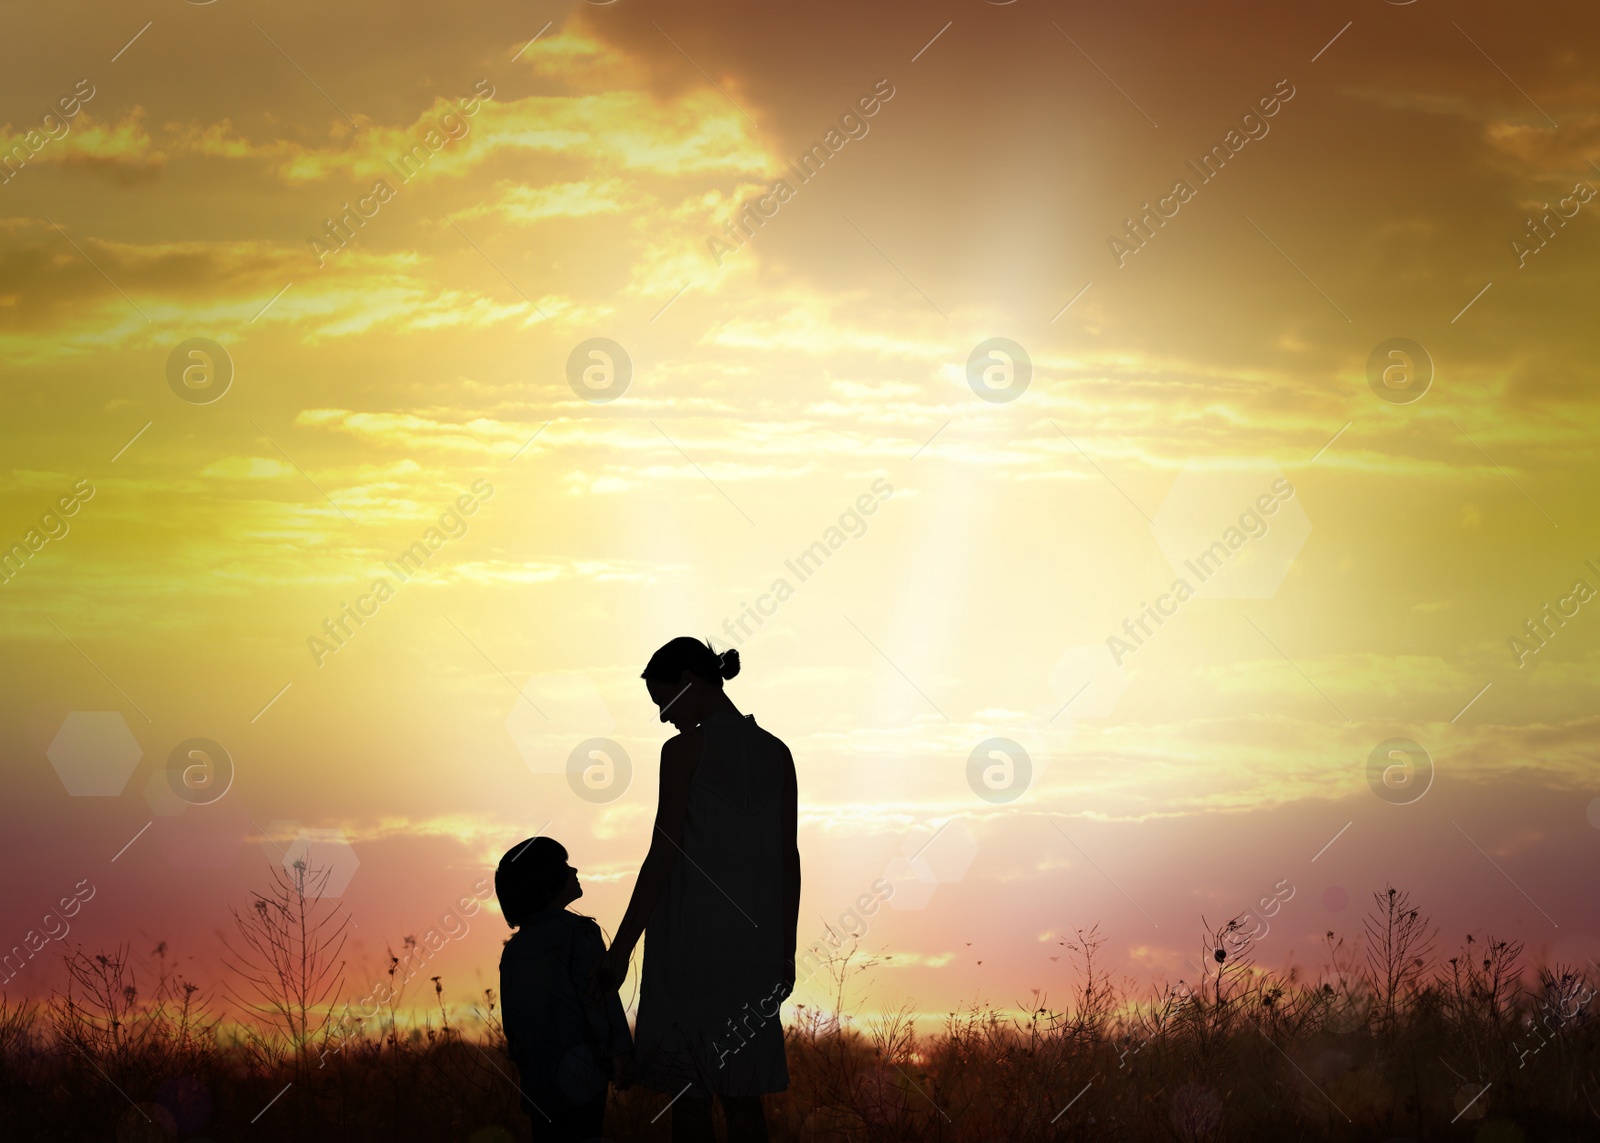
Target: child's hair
528, 877
689, 654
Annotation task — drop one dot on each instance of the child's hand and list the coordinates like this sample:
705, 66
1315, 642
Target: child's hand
626, 1071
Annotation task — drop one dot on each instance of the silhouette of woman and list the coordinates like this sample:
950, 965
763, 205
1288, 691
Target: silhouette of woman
719, 896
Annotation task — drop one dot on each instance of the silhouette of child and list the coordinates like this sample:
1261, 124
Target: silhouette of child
565, 1040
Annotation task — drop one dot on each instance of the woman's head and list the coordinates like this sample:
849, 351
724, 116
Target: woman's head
533, 876
684, 676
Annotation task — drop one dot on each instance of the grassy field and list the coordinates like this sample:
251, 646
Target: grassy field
1392, 1037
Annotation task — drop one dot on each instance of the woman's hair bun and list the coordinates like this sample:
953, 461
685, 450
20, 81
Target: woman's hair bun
695, 656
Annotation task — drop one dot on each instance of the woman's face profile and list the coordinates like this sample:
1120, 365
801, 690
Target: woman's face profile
674, 700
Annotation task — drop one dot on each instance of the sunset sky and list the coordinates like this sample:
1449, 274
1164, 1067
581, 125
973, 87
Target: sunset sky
1203, 349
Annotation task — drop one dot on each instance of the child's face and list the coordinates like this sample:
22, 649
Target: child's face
571, 891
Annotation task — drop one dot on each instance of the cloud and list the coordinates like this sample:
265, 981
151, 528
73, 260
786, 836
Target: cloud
623, 129
122, 151
411, 431
524, 205
246, 468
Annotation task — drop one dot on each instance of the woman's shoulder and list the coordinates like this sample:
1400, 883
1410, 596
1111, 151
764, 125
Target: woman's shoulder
684, 744
768, 736
775, 746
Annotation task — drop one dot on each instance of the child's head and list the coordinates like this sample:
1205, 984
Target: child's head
534, 876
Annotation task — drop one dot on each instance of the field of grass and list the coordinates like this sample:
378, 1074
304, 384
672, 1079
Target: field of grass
1390, 1038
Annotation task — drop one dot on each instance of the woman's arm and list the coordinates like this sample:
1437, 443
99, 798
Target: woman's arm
790, 827
679, 757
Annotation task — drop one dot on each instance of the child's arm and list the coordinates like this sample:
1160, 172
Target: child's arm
619, 1044
620, 1041
513, 1003
608, 1023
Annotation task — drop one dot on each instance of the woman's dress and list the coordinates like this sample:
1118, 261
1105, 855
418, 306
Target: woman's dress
716, 950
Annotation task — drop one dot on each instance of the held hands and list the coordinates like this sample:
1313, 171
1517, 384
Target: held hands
610, 970
625, 1071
